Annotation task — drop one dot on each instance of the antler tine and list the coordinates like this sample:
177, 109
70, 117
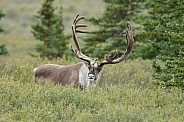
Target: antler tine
110, 58
76, 20
78, 51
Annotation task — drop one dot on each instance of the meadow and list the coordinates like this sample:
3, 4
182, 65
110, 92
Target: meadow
125, 92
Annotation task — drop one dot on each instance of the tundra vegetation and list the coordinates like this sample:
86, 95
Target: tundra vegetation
125, 92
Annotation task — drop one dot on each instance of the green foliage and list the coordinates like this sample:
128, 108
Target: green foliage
164, 25
1, 15
112, 27
171, 73
48, 28
3, 49
121, 95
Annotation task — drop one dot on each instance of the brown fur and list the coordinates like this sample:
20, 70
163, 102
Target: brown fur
64, 75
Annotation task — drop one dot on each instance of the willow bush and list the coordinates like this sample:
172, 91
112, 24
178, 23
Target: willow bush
124, 93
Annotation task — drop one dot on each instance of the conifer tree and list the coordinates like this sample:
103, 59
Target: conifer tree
166, 23
163, 25
48, 28
111, 28
3, 49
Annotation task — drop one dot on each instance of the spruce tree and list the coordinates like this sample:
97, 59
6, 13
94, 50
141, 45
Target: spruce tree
163, 30
3, 49
169, 39
48, 28
111, 28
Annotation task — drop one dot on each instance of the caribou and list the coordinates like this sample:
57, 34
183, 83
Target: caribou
84, 73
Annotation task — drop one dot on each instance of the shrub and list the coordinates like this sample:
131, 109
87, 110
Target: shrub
120, 96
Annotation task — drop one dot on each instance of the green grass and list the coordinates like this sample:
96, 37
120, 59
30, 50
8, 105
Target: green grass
125, 93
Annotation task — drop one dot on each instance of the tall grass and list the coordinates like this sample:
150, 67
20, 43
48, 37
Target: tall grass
125, 93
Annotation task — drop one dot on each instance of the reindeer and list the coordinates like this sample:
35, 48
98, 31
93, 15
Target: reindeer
84, 73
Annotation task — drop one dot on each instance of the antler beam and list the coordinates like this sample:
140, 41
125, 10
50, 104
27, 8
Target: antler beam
111, 57
75, 30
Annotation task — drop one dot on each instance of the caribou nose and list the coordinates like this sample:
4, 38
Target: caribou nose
91, 76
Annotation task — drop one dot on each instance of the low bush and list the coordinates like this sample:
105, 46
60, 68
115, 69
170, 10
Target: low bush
124, 93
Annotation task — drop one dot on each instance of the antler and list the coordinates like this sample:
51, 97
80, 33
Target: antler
78, 51
111, 57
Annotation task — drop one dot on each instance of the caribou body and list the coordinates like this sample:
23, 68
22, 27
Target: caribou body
76, 74
84, 73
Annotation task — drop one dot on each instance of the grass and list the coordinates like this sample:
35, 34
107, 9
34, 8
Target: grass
125, 93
